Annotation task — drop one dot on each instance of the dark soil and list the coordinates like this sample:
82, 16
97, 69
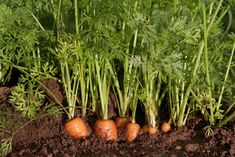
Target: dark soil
46, 137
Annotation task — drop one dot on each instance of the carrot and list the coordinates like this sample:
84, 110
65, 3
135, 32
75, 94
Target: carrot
121, 122
77, 128
106, 130
132, 130
165, 127
149, 129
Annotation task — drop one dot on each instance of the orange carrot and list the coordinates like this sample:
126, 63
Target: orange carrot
165, 127
132, 130
77, 128
106, 130
121, 122
149, 129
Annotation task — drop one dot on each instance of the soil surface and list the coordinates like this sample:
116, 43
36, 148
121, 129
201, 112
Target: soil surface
46, 137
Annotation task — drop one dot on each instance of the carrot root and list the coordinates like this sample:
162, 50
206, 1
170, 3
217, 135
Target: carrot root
149, 129
165, 127
121, 122
132, 130
77, 128
106, 130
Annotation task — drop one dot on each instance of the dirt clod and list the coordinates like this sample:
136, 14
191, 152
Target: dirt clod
232, 149
192, 147
4, 91
53, 90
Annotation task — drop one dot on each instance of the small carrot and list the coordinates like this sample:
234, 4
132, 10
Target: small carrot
165, 127
149, 129
132, 130
77, 128
106, 130
121, 122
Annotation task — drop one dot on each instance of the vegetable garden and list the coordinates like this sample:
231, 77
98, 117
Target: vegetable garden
127, 77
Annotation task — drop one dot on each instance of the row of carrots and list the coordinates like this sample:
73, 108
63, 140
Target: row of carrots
106, 130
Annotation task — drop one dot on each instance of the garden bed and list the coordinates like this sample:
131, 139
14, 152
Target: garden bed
117, 78
47, 137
